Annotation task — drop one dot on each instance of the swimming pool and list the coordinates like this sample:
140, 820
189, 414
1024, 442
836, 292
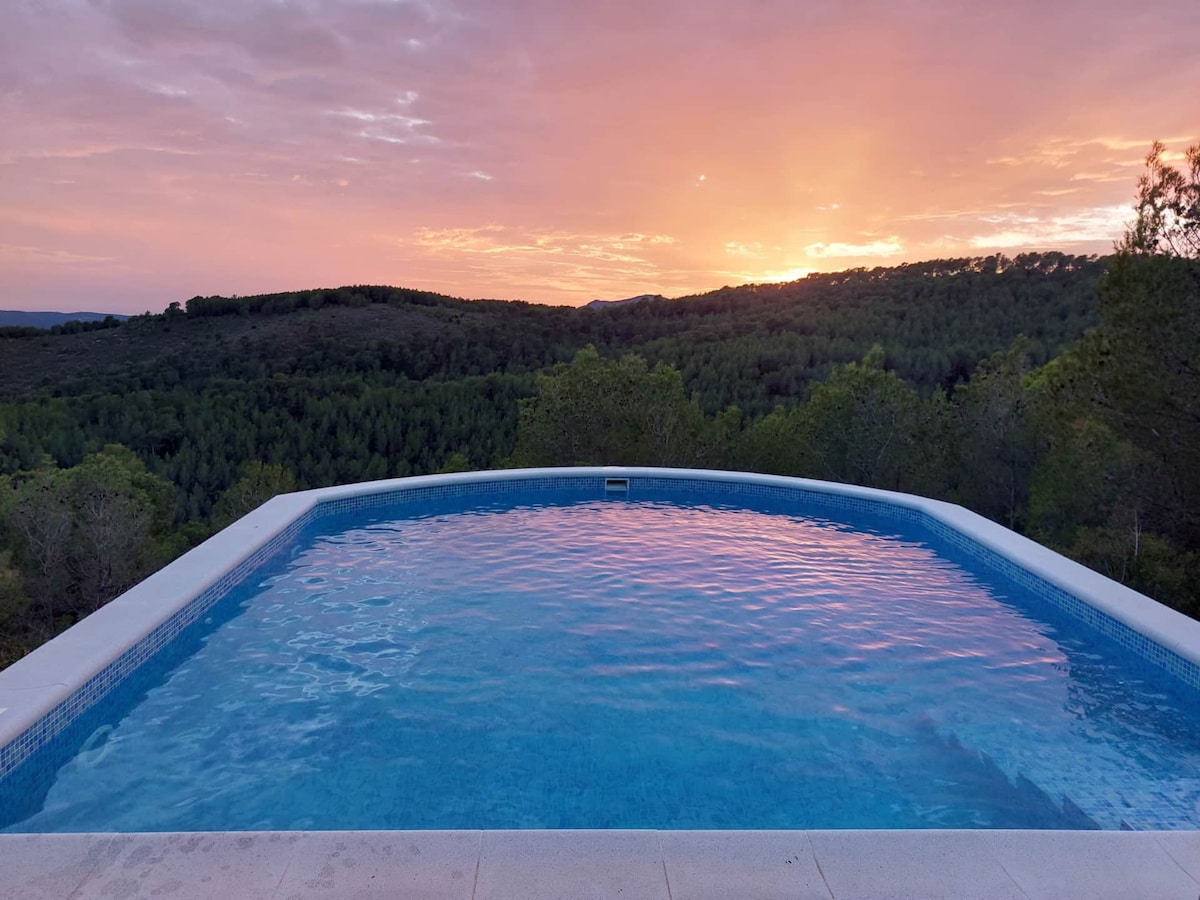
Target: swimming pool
742, 652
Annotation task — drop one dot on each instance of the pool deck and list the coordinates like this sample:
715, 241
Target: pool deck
599, 865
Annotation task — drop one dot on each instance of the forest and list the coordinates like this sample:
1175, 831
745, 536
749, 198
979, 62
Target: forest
1055, 394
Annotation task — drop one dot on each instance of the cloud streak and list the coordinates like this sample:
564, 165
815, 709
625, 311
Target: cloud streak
560, 152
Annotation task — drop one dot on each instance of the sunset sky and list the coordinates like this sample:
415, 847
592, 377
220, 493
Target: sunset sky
559, 151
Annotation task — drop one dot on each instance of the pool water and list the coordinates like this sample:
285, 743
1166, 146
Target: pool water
544, 663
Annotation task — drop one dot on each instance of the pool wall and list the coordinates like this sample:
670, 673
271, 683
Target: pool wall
43, 693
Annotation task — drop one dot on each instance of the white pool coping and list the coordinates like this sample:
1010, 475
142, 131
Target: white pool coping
866, 863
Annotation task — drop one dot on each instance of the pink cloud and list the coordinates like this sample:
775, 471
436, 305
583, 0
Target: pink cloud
243, 145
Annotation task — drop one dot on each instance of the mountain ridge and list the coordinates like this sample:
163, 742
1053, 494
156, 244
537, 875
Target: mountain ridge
752, 346
20, 318
628, 301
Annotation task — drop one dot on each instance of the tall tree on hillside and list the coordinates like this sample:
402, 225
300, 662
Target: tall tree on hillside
1145, 364
861, 425
609, 412
995, 436
1146, 352
122, 513
37, 516
773, 444
1119, 485
13, 602
86, 533
259, 482
1167, 210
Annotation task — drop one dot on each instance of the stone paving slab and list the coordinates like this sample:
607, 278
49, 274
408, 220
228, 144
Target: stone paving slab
223, 865
557, 865
1184, 848
911, 864
378, 865
748, 865
1099, 865
603, 865
49, 865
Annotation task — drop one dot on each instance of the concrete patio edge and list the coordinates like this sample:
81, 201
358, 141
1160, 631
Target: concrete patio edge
622, 865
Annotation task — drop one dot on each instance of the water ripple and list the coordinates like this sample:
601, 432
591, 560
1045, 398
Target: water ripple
626, 664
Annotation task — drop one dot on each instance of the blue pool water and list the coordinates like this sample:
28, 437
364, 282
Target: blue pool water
625, 664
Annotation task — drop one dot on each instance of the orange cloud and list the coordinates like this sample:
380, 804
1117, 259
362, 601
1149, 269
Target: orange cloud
559, 152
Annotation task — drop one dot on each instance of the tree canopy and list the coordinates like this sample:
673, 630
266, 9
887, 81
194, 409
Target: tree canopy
1167, 209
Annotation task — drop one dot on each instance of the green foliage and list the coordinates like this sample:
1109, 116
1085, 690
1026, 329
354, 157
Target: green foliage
600, 412
259, 482
278, 304
73, 326
773, 444
455, 462
861, 425
12, 589
1140, 371
1167, 210
324, 430
1119, 486
1091, 480
84, 534
1099, 498
997, 437
1149, 563
754, 346
1144, 370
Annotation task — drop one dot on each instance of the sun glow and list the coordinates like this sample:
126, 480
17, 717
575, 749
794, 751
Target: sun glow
782, 276
488, 121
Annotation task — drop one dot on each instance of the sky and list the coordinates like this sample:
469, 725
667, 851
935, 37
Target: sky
560, 151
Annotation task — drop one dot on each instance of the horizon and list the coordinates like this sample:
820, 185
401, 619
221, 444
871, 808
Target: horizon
605, 300
563, 153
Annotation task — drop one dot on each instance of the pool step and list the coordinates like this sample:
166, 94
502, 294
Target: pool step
1073, 817
1080, 820
1021, 802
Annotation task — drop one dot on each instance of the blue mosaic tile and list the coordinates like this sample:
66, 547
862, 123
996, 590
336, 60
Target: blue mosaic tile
98, 686
1183, 669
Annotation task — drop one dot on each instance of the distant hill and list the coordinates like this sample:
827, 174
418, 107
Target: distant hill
601, 304
21, 319
370, 381
754, 346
